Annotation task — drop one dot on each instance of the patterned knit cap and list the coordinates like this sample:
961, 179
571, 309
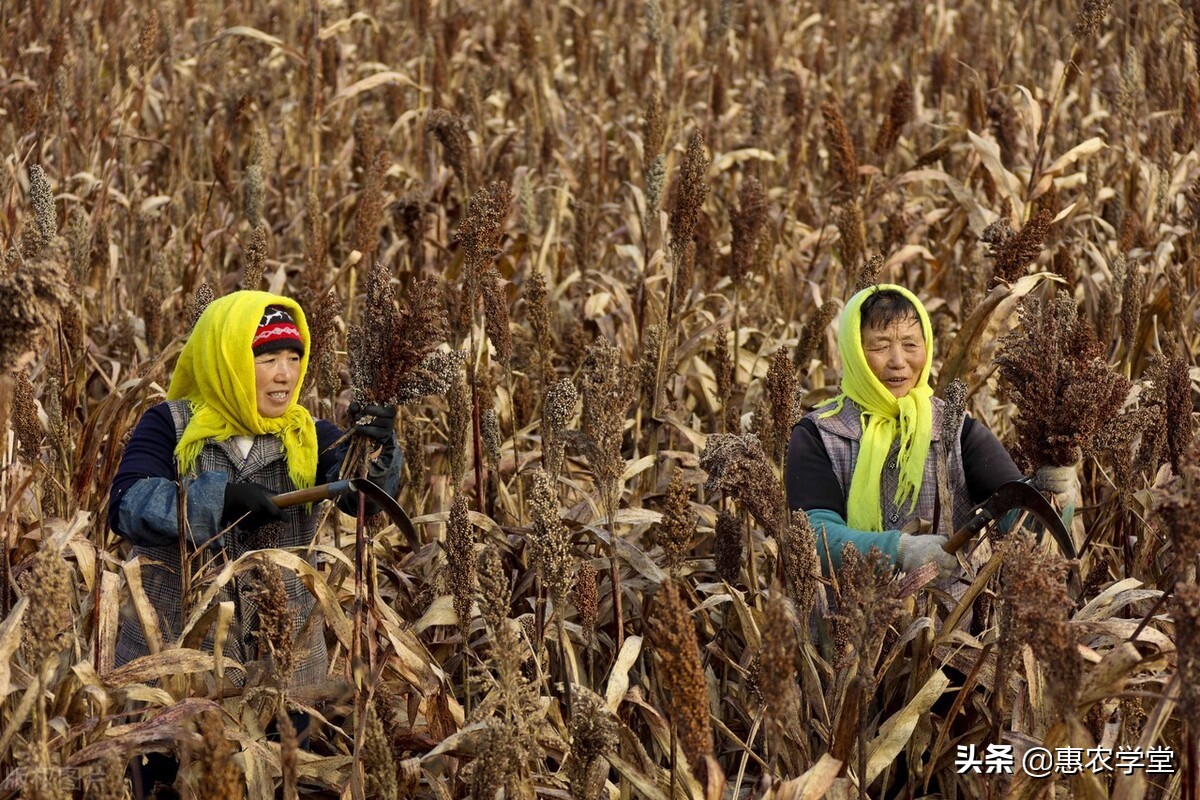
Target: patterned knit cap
277, 331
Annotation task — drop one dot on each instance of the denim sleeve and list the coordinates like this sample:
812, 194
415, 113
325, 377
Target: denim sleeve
147, 512
839, 534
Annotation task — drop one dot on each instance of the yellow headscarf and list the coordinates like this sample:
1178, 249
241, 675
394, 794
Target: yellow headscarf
884, 417
216, 374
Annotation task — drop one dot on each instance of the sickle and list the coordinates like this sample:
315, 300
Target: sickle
1014, 495
373, 491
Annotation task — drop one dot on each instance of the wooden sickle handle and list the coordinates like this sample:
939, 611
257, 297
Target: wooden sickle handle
312, 494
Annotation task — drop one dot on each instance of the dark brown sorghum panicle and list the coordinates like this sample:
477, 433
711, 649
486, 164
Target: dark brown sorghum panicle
690, 193
867, 608
594, 737
587, 600
813, 334
747, 222
1185, 612
723, 366
777, 678
607, 391
849, 221
1013, 253
1171, 388
369, 214
49, 585
448, 129
558, 409
495, 593
781, 387
801, 565
1005, 126
316, 247
869, 274
728, 546
379, 768
737, 466
218, 773
843, 157
274, 629
460, 561
458, 422
31, 297
549, 540
537, 312
495, 310
654, 127
41, 200
900, 110
1035, 610
25, 422
1064, 390
254, 257
678, 521
1091, 14
1131, 304
681, 676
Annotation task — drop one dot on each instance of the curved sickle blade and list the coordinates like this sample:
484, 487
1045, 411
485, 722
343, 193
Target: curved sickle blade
1015, 495
387, 504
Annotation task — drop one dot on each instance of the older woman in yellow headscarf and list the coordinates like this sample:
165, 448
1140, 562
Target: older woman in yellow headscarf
230, 436
864, 466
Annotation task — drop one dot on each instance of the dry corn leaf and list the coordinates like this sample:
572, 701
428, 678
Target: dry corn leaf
1006, 182
978, 217
109, 621
1108, 678
10, 641
147, 616
812, 785
643, 785
334, 28
247, 32
172, 725
1115, 598
895, 732
618, 676
388, 78
173, 661
631, 554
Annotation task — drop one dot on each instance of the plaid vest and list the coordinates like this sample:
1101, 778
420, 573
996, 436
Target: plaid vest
841, 435
161, 567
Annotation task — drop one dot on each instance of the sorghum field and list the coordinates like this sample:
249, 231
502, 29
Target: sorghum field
598, 251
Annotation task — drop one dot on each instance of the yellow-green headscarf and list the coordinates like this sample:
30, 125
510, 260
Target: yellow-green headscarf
216, 374
884, 417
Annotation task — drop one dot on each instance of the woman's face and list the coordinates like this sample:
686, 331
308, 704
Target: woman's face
896, 354
275, 376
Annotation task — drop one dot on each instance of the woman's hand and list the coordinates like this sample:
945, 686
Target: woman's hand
249, 505
377, 422
918, 550
1061, 482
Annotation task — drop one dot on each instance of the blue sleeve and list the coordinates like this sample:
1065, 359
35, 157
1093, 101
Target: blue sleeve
838, 534
149, 453
143, 497
148, 514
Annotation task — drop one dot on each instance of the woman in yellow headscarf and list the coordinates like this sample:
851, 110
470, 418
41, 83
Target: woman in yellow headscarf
864, 466
233, 434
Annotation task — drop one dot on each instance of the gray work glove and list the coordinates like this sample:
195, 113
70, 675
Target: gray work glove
918, 550
1061, 482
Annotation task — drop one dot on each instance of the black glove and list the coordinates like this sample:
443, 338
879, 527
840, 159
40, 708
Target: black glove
249, 506
377, 422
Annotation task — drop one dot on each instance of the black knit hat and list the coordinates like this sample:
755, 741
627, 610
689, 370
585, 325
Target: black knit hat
277, 331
